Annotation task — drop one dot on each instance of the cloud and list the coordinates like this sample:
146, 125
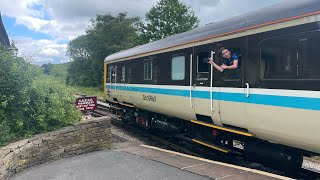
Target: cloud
41, 51
65, 20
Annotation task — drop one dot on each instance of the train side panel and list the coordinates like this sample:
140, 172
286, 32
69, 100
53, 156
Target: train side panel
159, 99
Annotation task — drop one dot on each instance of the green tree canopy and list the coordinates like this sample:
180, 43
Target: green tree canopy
167, 18
106, 35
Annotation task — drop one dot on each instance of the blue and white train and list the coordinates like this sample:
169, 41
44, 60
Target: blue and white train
267, 109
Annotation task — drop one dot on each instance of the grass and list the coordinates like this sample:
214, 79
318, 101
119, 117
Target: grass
89, 91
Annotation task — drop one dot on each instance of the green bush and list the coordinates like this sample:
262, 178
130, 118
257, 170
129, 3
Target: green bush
31, 102
16, 75
51, 105
5, 135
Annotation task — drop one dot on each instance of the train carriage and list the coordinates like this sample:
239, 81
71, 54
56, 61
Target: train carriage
270, 104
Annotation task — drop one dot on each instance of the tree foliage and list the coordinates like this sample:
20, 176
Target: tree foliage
167, 18
107, 35
58, 71
30, 102
51, 105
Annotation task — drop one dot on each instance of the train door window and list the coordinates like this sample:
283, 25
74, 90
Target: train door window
203, 67
178, 68
290, 57
109, 73
113, 74
147, 64
123, 73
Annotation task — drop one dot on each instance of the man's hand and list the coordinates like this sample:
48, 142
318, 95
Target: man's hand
223, 66
211, 61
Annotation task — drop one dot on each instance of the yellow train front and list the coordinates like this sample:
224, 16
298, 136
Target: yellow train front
267, 109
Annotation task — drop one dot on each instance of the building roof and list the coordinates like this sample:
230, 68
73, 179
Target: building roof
282, 11
4, 40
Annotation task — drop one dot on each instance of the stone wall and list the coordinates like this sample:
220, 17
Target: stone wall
77, 139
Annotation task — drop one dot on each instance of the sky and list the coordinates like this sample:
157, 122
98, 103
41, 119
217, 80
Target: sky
41, 29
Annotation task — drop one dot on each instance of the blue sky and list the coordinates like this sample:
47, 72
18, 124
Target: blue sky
14, 29
41, 29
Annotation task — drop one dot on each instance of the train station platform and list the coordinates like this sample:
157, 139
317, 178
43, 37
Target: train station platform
134, 161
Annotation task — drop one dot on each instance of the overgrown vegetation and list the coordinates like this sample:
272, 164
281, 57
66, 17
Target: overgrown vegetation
109, 34
89, 91
58, 71
31, 102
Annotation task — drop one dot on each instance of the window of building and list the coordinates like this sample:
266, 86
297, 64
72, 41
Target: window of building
147, 66
290, 57
178, 68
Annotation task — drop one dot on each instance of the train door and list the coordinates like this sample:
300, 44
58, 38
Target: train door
232, 95
113, 84
203, 88
121, 75
109, 80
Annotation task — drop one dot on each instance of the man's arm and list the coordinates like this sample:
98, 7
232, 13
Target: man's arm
233, 66
215, 65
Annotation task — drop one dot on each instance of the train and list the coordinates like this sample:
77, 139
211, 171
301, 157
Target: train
269, 111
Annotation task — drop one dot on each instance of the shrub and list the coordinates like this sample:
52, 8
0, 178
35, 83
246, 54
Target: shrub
31, 102
51, 105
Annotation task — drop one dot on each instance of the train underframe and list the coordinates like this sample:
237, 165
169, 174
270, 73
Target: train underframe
252, 149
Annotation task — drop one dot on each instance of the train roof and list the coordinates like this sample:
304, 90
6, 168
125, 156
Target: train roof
281, 11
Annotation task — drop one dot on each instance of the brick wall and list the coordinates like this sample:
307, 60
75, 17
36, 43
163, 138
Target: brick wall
83, 137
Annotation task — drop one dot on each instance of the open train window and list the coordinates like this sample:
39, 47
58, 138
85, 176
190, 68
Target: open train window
290, 57
231, 74
147, 67
178, 68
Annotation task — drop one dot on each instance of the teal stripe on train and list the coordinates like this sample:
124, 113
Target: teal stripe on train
272, 100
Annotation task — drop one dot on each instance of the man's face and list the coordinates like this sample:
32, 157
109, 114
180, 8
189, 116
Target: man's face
226, 54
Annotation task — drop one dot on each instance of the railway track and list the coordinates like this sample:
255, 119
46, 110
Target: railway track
180, 144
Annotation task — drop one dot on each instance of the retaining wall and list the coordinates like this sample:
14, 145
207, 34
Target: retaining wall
82, 137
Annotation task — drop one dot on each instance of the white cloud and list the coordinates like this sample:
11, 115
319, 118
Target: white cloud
65, 20
41, 51
32, 23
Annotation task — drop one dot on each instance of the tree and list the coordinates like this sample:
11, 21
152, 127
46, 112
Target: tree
167, 18
47, 68
29, 101
107, 35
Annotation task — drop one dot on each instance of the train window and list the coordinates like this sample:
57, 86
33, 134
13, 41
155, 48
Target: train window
290, 57
178, 68
231, 74
129, 75
113, 74
109, 74
123, 73
147, 66
203, 67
